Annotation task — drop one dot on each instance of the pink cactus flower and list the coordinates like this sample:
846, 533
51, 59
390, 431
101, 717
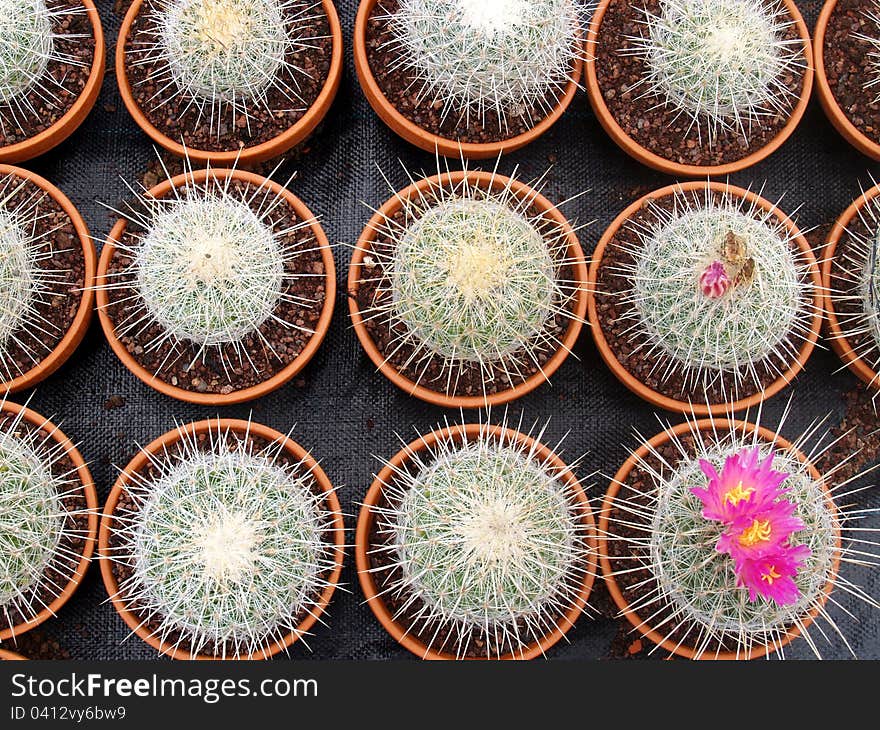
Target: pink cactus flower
772, 577
714, 281
745, 485
759, 534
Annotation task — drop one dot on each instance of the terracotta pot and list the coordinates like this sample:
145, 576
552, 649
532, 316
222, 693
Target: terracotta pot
655, 161
80, 325
702, 409
839, 343
841, 122
424, 139
53, 136
482, 179
280, 378
91, 496
9, 655
466, 433
157, 447
642, 623
245, 156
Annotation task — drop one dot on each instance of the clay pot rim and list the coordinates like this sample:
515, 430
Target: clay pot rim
429, 141
54, 135
839, 342
467, 432
80, 324
91, 496
163, 442
283, 376
607, 503
10, 655
261, 152
702, 409
575, 321
655, 161
841, 122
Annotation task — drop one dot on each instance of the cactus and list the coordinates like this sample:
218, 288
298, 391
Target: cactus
483, 540
227, 546
872, 39
24, 282
471, 278
30, 30
722, 64
714, 330
210, 266
507, 57
224, 57
38, 519
691, 591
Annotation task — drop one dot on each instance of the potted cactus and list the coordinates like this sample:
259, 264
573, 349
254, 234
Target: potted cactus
851, 280
229, 80
476, 541
466, 289
47, 269
216, 287
51, 69
696, 88
468, 78
847, 51
704, 297
222, 539
721, 539
48, 520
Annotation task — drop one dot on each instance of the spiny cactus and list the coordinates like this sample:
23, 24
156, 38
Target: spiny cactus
856, 284
690, 591
721, 63
30, 30
872, 39
209, 264
471, 277
38, 519
227, 546
224, 57
512, 58
482, 541
716, 289
24, 282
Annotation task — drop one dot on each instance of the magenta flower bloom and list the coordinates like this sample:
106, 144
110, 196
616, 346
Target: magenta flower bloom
772, 577
745, 486
760, 534
714, 281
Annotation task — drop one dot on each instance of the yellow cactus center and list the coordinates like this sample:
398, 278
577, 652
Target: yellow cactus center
738, 494
758, 531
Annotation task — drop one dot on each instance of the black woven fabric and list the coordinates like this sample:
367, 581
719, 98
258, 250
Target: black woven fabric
343, 409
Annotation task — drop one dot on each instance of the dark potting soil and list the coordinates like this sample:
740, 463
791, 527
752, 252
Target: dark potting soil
55, 311
123, 569
636, 582
629, 347
180, 363
856, 440
52, 96
846, 266
467, 379
848, 66
39, 646
53, 581
646, 119
405, 92
178, 119
440, 638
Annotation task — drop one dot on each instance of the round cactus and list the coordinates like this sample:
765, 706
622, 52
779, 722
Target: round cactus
721, 63
472, 278
510, 58
666, 547
227, 546
226, 57
715, 288
39, 518
483, 546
